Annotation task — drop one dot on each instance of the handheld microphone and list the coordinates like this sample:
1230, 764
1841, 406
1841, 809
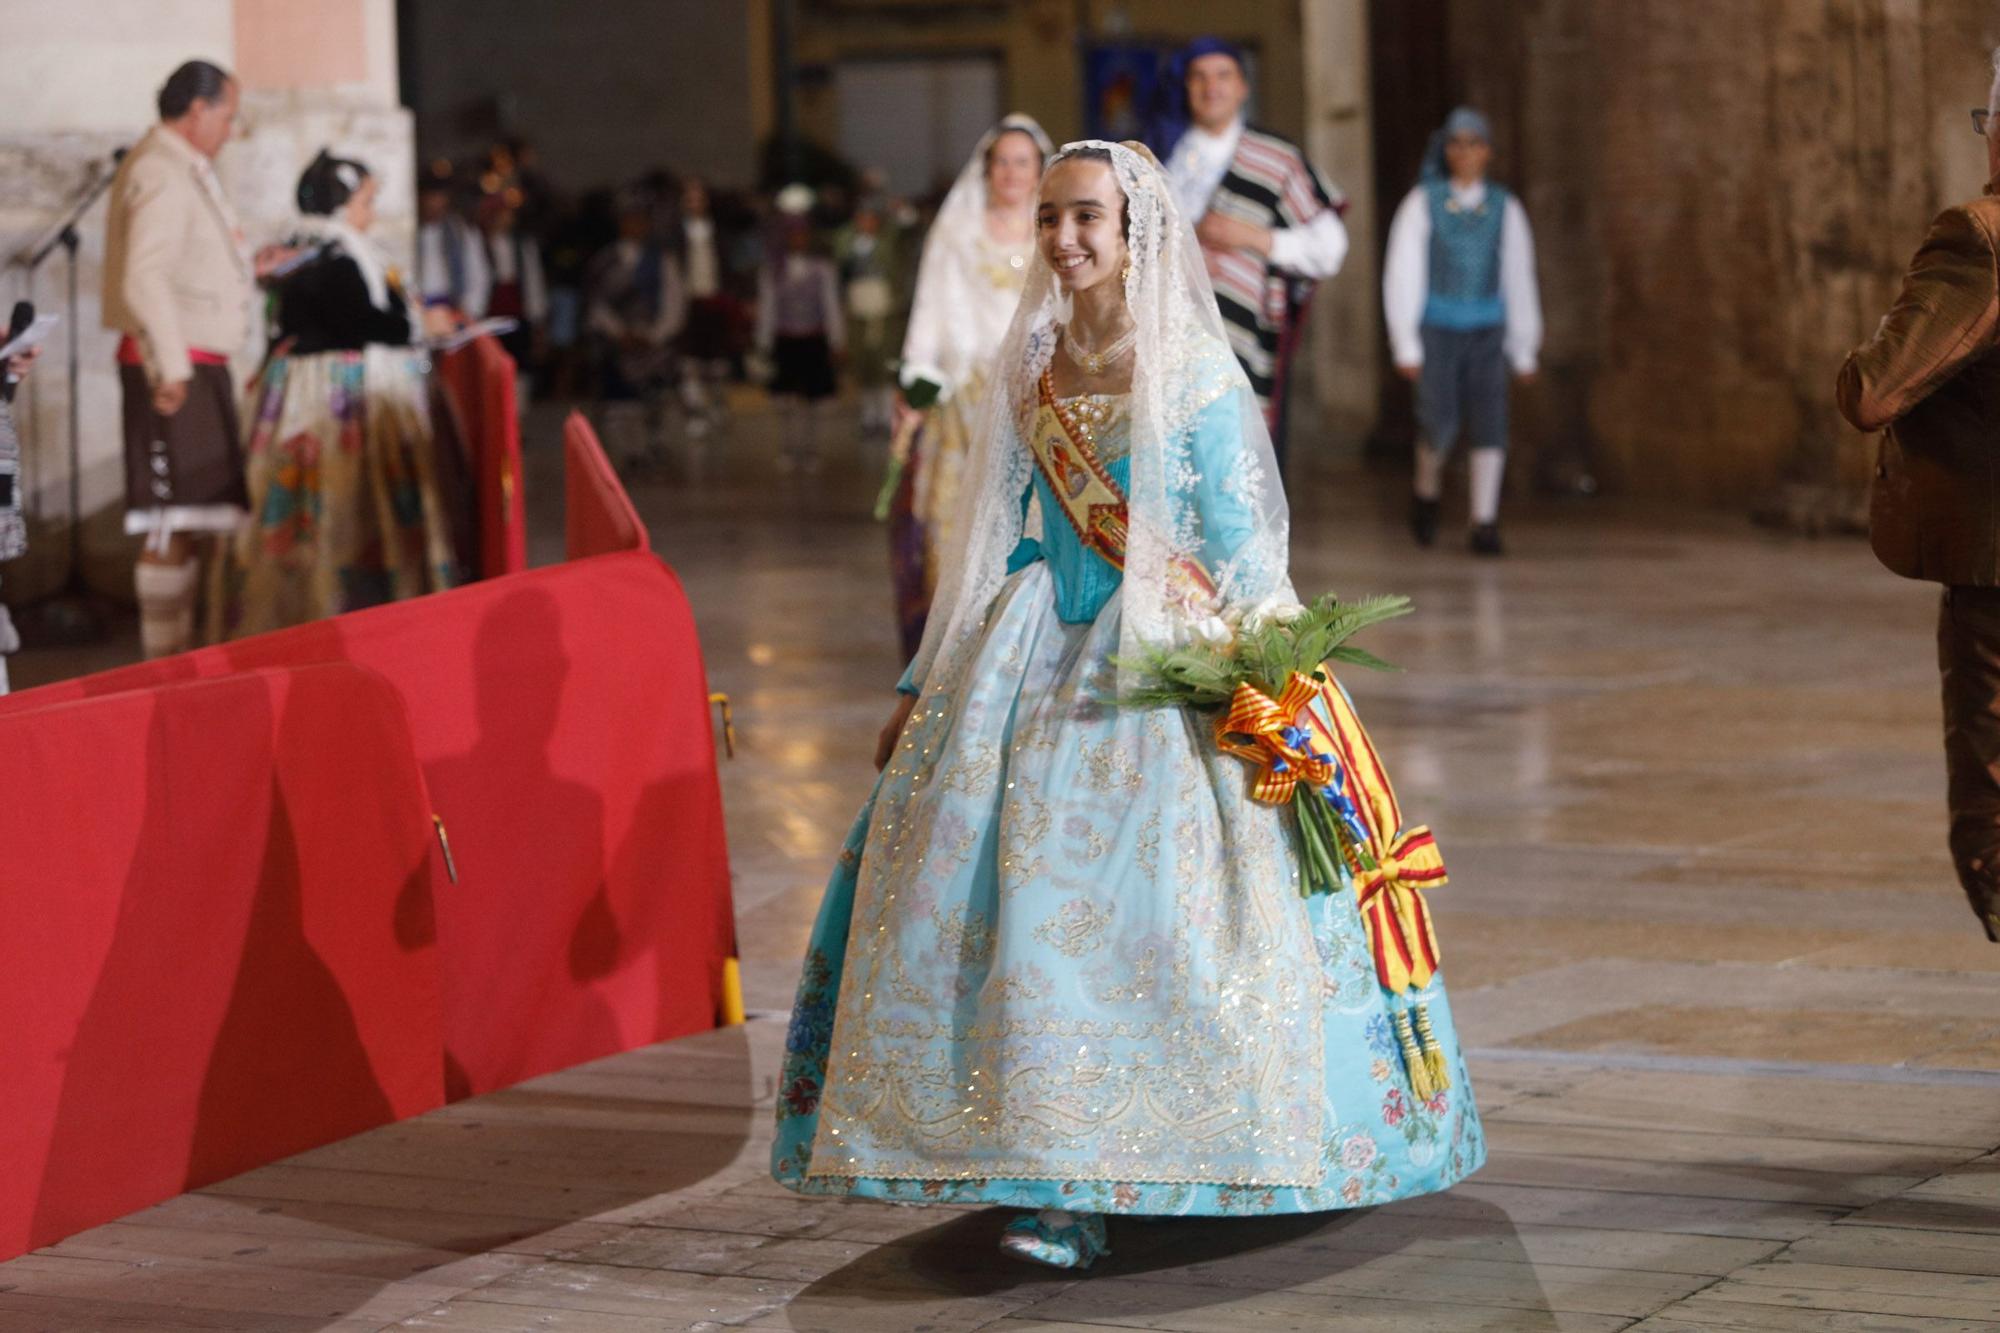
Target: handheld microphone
24, 315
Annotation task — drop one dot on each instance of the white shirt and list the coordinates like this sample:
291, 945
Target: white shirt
771, 300
1195, 170
434, 266
500, 258
1197, 165
1406, 279
704, 274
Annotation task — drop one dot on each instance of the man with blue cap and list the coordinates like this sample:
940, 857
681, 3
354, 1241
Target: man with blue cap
1268, 222
1460, 300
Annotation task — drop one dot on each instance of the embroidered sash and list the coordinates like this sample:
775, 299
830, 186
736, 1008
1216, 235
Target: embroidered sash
1081, 481
1090, 499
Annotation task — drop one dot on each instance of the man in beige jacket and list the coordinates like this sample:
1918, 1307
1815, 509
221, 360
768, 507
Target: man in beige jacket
179, 284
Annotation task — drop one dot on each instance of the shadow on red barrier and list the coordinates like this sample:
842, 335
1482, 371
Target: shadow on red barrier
240, 969
575, 930
234, 997
550, 886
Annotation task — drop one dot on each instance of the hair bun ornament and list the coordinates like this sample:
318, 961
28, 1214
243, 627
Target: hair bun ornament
327, 183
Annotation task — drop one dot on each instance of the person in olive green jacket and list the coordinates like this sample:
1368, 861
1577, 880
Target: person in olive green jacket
1930, 381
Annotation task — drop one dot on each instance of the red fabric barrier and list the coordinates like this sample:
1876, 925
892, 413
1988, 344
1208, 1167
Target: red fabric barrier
560, 716
598, 514
480, 379
217, 945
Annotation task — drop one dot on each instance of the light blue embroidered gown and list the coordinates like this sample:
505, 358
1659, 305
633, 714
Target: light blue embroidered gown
1063, 961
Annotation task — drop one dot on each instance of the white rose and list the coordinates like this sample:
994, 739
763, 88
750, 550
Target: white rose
1213, 631
1271, 611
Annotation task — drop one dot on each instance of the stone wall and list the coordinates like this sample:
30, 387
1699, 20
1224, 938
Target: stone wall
1340, 361
1725, 193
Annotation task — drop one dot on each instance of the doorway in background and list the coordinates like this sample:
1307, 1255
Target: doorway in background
915, 118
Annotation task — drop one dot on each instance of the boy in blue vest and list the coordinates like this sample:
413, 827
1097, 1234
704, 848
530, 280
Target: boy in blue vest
1460, 300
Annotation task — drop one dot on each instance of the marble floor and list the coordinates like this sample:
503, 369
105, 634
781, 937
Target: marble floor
1735, 1035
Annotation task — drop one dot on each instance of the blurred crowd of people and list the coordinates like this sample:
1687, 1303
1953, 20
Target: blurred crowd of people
651, 299
344, 476
339, 482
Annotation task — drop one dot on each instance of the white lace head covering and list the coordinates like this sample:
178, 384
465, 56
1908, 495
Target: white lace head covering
944, 345
1204, 485
962, 215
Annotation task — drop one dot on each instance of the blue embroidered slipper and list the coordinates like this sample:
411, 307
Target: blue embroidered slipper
1056, 1238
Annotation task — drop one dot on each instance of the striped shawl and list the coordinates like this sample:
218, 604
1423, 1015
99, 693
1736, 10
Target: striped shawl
1269, 183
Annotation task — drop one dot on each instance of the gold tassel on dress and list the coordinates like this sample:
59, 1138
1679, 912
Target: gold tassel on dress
1434, 1061
1413, 1058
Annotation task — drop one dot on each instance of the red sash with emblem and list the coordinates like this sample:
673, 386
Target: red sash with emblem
1090, 499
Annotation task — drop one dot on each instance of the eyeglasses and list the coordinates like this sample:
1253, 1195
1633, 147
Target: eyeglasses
1981, 117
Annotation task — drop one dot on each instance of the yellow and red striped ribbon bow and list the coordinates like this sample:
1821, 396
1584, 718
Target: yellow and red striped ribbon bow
1278, 737
1407, 861
1392, 907
1310, 733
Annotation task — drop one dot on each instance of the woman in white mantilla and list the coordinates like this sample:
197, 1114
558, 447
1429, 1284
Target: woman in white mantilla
1064, 963
974, 264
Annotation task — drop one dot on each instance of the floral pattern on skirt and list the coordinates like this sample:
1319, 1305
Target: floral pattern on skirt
345, 481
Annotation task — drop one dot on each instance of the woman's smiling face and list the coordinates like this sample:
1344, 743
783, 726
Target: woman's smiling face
1079, 223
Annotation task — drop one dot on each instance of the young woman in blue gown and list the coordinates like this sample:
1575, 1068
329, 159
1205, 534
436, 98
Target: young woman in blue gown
1063, 963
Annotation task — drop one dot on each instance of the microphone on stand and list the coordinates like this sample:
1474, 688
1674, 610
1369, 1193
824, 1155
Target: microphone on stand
97, 164
68, 616
95, 183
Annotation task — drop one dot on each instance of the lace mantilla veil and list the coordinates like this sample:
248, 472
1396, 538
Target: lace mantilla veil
942, 344
1193, 497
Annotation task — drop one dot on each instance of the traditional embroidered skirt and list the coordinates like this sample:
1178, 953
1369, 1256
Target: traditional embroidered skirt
356, 491
1064, 962
926, 505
